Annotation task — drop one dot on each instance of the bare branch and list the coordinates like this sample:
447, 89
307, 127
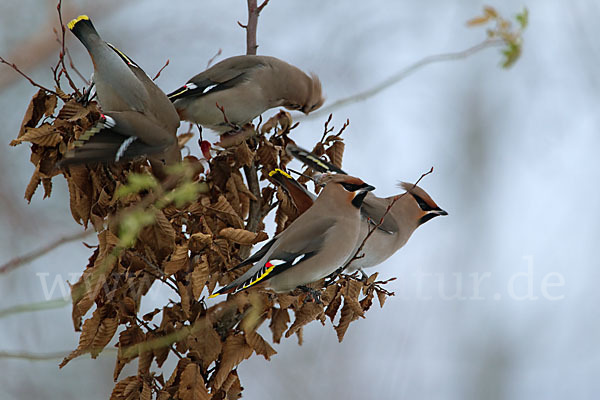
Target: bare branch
61, 58
160, 70
13, 66
219, 52
27, 258
31, 307
254, 213
399, 76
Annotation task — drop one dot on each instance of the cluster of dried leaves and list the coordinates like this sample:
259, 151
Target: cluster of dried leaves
186, 237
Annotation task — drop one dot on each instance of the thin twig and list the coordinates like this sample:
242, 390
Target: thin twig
150, 329
13, 66
169, 280
74, 68
27, 258
62, 51
399, 76
213, 58
160, 70
254, 214
31, 307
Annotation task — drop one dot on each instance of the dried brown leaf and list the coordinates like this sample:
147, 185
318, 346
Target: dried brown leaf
382, 297
336, 153
46, 135
235, 350
222, 206
34, 182
243, 154
179, 260
191, 386
279, 323
347, 315
124, 386
334, 306
260, 345
199, 276
242, 236
205, 342
41, 104
127, 338
308, 313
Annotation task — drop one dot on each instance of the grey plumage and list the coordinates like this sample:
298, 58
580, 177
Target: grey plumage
314, 245
407, 212
245, 86
132, 106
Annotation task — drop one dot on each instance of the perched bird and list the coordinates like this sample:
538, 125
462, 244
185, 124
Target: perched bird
407, 212
245, 87
137, 117
315, 245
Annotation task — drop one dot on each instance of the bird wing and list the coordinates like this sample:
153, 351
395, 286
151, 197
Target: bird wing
119, 136
284, 251
224, 75
373, 209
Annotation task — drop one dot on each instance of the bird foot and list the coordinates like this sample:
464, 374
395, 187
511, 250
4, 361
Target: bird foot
85, 98
236, 136
311, 294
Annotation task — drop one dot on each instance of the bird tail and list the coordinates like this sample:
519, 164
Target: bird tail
312, 160
300, 195
100, 144
83, 29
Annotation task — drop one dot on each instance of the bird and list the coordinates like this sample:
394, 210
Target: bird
236, 90
407, 211
137, 118
316, 244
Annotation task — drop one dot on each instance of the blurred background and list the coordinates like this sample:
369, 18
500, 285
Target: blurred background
495, 301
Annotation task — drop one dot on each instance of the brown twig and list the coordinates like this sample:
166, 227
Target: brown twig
254, 213
160, 70
213, 57
399, 76
74, 68
13, 66
372, 229
327, 129
150, 329
27, 258
61, 58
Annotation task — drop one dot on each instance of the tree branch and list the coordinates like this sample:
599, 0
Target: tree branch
14, 66
31, 307
399, 76
27, 258
254, 214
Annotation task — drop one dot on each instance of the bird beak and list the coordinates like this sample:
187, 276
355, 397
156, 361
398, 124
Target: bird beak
439, 211
367, 188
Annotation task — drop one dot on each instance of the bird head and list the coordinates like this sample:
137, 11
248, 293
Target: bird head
309, 96
421, 203
350, 188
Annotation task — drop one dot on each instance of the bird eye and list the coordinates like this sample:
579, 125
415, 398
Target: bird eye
422, 204
351, 187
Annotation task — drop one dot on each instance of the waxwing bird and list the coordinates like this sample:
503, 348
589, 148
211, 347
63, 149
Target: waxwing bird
407, 212
137, 117
245, 87
315, 245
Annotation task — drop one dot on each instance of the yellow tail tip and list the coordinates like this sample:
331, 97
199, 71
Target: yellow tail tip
73, 22
212, 296
279, 171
